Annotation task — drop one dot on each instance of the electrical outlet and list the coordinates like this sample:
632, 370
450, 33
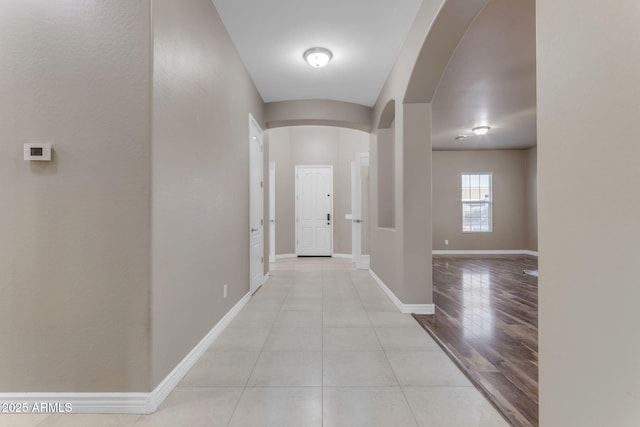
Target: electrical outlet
225, 290
446, 242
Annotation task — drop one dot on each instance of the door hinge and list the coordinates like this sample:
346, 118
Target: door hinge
262, 222
261, 148
261, 184
262, 260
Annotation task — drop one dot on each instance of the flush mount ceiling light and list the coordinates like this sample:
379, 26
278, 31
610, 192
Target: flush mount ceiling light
481, 130
317, 57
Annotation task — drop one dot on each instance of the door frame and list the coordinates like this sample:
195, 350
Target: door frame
297, 167
362, 261
255, 131
272, 211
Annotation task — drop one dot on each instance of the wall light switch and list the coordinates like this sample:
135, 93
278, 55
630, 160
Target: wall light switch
37, 151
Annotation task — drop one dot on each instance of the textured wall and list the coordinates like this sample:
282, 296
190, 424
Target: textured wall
202, 100
386, 181
589, 237
385, 244
74, 232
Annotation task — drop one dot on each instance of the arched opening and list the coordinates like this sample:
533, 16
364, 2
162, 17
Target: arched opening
477, 68
292, 149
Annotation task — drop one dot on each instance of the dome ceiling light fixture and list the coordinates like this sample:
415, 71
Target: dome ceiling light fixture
481, 130
317, 57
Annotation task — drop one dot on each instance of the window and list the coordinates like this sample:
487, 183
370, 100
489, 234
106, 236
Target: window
477, 212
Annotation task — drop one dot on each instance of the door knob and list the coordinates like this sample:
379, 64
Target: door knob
254, 229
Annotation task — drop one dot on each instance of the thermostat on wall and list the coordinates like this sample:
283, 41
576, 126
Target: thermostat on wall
37, 151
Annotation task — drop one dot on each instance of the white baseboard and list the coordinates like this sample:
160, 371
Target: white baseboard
266, 277
344, 256
485, 252
157, 396
404, 308
286, 256
128, 403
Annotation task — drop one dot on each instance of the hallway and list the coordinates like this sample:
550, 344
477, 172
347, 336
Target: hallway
319, 344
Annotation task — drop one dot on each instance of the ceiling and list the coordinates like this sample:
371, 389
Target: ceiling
490, 80
365, 37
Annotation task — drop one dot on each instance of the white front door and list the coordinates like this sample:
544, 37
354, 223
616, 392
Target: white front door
314, 210
256, 221
272, 211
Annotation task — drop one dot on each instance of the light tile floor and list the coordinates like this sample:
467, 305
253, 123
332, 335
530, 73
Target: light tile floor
320, 344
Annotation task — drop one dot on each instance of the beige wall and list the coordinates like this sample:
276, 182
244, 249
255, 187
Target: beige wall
416, 202
408, 277
531, 198
401, 256
74, 232
384, 243
589, 237
386, 162
77, 232
510, 226
314, 145
202, 100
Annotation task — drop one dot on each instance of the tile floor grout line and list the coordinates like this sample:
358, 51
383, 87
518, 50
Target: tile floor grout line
255, 363
235, 407
415, 418
404, 395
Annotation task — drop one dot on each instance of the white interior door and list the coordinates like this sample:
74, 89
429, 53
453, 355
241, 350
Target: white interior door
256, 206
356, 231
360, 210
272, 211
314, 210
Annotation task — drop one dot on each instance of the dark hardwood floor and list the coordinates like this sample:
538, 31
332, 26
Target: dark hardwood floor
487, 321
